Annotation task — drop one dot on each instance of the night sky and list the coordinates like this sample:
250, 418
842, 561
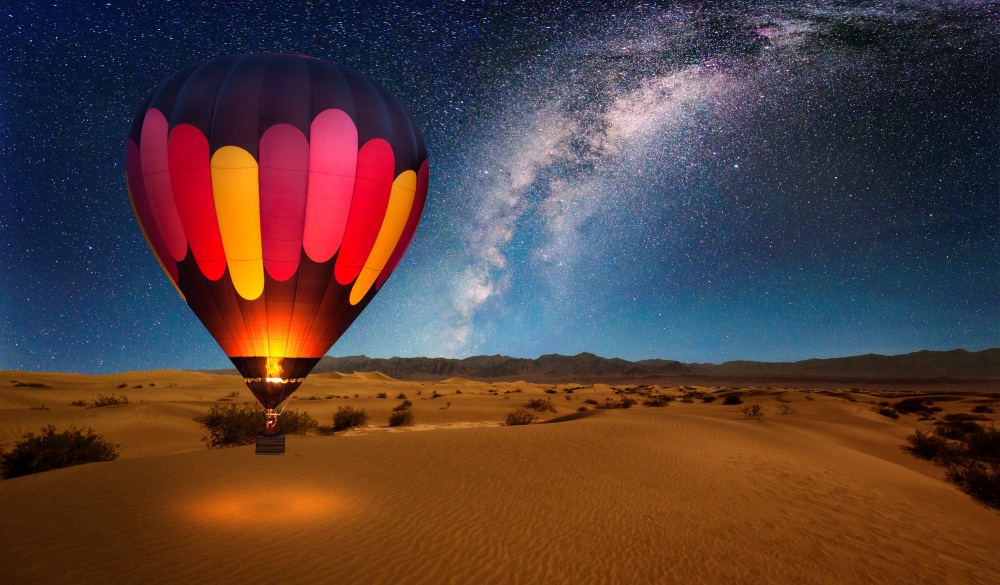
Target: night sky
768, 181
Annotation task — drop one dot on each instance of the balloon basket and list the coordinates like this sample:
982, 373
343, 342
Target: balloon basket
270, 444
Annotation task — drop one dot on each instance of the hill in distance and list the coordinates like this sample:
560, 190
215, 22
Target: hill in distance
941, 366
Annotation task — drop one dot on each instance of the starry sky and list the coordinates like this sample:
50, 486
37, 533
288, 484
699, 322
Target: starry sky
764, 180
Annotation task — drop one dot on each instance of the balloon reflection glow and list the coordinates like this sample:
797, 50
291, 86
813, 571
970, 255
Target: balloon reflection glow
274, 506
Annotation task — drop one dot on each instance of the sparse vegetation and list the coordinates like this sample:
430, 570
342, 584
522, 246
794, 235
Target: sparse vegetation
886, 411
401, 417
381, 395
708, 398
591, 401
659, 400
403, 405
753, 412
970, 454
78, 403
916, 405
39, 407
234, 425
623, 402
982, 409
731, 399
401, 396
348, 417
540, 405
30, 385
521, 416
55, 450
102, 401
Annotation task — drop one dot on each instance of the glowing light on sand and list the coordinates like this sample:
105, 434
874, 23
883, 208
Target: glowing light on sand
273, 505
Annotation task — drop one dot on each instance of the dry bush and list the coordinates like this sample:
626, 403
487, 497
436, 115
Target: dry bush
979, 479
886, 411
521, 416
753, 412
916, 405
540, 405
926, 445
234, 425
102, 401
403, 405
623, 402
971, 458
659, 400
708, 398
401, 418
401, 396
30, 385
731, 399
348, 417
53, 450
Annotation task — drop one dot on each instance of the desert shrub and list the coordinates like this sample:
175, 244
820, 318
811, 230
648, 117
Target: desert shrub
295, 422
979, 479
956, 430
348, 417
401, 418
886, 411
401, 396
915, 405
122, 385
30, 385
39, 407
582, 409
787, 410
550, 391
926, 445
982, 409
708, 398
403, 405
381, 395
731, 399
234, 425
984, 444
78, 403
591, 401
435, 394
658, 400
521, 416
102, 401
540, 405
53, 450
623, 402
962, 416
753, 412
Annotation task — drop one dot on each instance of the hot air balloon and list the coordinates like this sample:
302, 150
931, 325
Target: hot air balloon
278, 193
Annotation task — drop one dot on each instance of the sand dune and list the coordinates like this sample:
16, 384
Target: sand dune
690, 493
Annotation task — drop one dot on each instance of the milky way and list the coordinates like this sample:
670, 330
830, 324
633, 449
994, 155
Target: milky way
775, 182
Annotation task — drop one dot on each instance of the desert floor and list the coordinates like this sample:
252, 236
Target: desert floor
687, 493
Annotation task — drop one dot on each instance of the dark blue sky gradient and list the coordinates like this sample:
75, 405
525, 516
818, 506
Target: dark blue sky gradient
773, 182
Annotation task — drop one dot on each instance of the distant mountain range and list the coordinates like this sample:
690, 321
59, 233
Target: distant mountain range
589, 368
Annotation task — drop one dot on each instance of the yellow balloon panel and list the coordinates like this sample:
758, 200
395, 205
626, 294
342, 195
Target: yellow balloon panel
237, 205
400, 201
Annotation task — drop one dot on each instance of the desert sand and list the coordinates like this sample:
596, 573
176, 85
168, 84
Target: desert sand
688, 493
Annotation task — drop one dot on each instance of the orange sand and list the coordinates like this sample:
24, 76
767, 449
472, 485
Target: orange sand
689, 493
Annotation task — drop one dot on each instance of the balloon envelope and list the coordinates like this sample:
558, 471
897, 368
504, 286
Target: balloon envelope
278, 192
